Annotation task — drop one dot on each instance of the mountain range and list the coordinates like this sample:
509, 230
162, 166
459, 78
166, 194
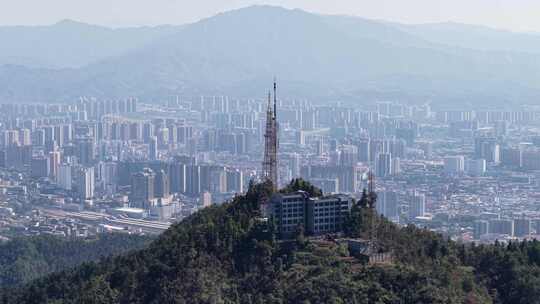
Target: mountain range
319, 57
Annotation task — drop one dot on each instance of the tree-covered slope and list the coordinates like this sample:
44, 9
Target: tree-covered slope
224, 254
28, 258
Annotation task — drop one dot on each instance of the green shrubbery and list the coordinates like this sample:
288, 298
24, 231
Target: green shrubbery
224, 254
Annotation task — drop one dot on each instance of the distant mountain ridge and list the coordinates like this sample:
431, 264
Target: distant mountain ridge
315, 56
475, 37
71, 44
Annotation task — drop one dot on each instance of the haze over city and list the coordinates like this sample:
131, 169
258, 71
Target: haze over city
250, 152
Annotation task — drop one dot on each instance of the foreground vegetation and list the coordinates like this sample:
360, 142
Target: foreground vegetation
27, 258
224, 254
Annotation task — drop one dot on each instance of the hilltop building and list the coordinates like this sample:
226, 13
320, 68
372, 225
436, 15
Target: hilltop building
317, 216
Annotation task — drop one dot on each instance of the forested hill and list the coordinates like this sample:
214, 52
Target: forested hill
224, 254
28, 258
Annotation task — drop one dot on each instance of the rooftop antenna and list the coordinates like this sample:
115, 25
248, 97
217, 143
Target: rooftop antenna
269, 101
270, 167
275, 97
372, 197
370, 182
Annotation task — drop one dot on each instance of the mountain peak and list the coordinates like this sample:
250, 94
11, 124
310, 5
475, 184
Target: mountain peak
262, 10
319, 56
263, 7
70, 22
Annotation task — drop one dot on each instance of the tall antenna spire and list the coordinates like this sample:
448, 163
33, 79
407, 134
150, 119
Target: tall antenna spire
270, 166
275, 98
372, 202
371, 182
269, 108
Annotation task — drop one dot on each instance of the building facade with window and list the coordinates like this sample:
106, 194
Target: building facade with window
317, 216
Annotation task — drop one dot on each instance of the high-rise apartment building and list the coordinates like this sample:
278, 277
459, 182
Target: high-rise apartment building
142, 188
417, 207
454, 165
85, 183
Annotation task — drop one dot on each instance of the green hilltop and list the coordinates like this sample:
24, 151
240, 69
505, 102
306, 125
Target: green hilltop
227, 254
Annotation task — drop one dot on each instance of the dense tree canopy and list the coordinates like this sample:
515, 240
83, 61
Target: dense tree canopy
299, 184
26, 258
227, 254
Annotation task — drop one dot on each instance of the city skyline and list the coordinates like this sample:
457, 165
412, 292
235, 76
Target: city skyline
142, 162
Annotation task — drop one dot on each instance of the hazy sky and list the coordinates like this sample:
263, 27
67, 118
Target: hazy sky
518, 15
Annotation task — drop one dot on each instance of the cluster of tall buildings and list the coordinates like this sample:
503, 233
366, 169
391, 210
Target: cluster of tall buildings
433, 167
520, 227
392, 205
